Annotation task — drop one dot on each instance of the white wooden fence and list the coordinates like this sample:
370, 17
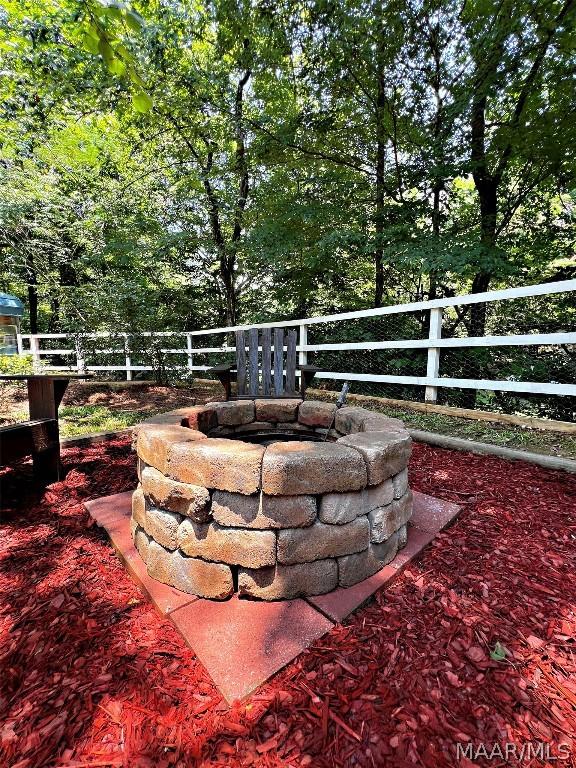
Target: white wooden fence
191, 344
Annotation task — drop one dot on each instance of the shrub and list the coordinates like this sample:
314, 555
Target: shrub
16, 364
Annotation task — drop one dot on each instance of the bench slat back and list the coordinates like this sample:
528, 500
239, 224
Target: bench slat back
266, 362
241, 361
253, 373
266, 371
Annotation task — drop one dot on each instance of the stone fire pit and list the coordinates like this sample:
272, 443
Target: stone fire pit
247, 496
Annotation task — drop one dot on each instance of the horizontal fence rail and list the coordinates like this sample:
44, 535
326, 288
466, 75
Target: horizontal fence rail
131, 347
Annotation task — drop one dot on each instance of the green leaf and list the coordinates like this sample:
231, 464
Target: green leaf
134, 21
90, 43
114, 13
106, 51
117, 66
142, 101
122, 51
135, 77
99, 9
499, 653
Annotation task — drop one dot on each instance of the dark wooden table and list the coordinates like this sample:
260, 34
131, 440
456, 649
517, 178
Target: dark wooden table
38, 437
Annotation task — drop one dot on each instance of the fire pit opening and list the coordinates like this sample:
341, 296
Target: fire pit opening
268, 437
272, 499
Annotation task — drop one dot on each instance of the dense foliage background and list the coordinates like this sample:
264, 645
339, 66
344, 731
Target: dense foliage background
179, 165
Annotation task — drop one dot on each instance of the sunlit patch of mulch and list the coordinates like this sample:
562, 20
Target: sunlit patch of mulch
92, 676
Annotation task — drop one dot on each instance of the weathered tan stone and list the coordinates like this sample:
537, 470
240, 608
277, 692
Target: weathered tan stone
377, 422
154, 441
355, 568
228, 465
294, 468
400, 483
133, 528
289, 511
174, 416
285, 582
162, 526
139, 506
385, 453
296, 428
140, 467
255, 426
201, 417
261, 511
402, 534
277, 410
233, 412
141, 542
379, 495
384, 521
196, 577
340, 508
315, 413
332, 433
222, 431
236, 546
320, 541
189, 500
168, 418
350, 419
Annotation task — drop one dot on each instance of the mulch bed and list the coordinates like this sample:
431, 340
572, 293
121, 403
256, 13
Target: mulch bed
92, 676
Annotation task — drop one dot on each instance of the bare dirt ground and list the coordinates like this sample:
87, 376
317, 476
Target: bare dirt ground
143, 397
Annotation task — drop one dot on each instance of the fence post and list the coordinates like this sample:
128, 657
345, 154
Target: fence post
433, 367
303, 354
189, 348
80, 361
128, 358
19, 344
35, 352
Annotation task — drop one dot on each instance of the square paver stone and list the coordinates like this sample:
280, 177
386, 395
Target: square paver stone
111, 511
417, 540
113, 514
432, 514
243, 642
343, 601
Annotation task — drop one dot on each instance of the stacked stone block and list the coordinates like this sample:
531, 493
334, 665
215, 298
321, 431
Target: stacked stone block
214, 514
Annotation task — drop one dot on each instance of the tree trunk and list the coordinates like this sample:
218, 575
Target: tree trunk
487, 190
432, 275
379, 229
380, 188
32, 293
227, 275
243, 192
488, 197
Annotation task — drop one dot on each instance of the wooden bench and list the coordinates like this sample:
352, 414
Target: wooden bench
266, 372
38, 437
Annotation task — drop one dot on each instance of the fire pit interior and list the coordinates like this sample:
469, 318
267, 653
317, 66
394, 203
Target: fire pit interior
272, 499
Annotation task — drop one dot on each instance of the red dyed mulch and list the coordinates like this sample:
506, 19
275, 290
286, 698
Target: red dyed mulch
91, 676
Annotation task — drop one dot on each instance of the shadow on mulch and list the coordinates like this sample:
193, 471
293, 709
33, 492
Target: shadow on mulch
91, 675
